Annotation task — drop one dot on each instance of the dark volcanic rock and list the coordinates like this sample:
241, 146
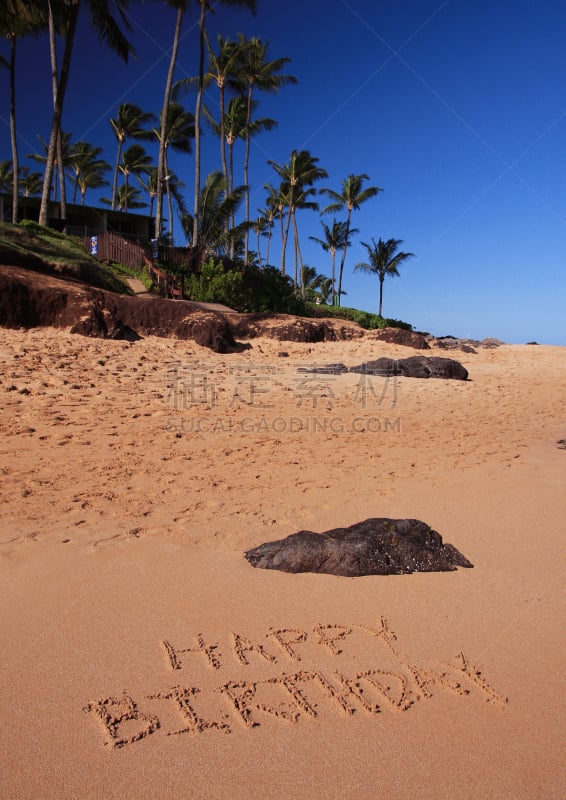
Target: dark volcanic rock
414, 367
326, 369
401, 336
374, 547
432, 367
379, 366
450, 343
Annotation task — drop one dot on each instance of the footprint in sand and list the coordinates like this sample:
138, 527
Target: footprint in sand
134, 533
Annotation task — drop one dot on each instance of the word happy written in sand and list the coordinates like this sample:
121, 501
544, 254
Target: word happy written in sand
288, 695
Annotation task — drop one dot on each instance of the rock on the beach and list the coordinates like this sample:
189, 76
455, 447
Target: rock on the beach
412, 367
378, 546
401, 336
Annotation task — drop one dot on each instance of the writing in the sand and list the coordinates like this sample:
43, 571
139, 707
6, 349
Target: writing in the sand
279, 677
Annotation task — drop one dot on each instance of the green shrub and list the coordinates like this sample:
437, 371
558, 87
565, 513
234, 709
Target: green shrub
214, 284
363, 318
246, 289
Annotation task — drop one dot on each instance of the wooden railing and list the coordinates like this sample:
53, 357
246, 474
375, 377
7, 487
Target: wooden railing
111, 247
136, 257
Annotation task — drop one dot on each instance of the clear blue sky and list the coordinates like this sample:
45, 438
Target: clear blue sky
457, 109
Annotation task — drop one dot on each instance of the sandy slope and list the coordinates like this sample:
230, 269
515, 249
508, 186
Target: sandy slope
143, 657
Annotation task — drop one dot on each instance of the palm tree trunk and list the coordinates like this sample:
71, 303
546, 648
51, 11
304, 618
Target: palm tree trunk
299, 255
197, 123
380, 296
54, 81
223, 147
343, 259
268, 243
230, 184
223, 134
15, 165
246, 166
58, 110
164, 115
169, 201
333, 253
286, 233
115, 178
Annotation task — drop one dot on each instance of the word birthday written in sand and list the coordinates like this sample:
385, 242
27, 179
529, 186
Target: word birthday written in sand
284, 692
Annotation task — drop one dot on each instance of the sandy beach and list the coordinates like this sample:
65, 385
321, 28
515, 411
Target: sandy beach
143, 656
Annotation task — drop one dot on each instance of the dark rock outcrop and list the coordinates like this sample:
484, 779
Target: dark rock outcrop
412, 367
466, 345
432, 367
401, 336
378, 546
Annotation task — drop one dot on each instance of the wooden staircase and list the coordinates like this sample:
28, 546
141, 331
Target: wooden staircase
110, 247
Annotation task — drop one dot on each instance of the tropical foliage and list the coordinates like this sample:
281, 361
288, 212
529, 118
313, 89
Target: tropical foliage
384, 260
233, 76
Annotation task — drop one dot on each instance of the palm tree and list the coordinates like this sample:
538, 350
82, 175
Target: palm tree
129, 124
309, 282
128, 197
108, 31
351, 198
6, 176
235, 127
134, 161
30, 182
221, 67
259, 226
17, 19
175, 189
301, 201
266, 221
65, 149
257, 72
334, 240
383, 261
214, 208
179, 131
91, 176
181, 7
299, 172
85, 159
324, 286
52, 24
148, 181
204, 6
278, 200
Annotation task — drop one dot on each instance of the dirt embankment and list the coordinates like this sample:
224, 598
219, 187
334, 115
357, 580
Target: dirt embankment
30, 299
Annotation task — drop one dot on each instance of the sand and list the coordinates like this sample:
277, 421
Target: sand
142, 656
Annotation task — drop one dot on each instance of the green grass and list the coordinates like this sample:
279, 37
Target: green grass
127, 272
32, 246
